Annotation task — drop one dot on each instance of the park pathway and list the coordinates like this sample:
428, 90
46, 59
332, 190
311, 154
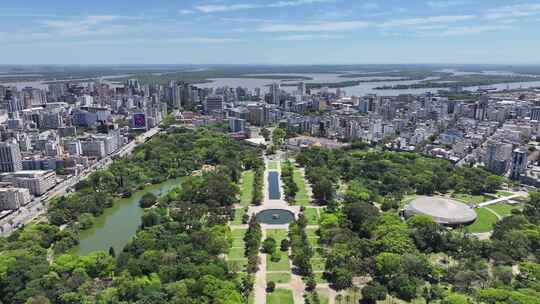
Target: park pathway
260, 277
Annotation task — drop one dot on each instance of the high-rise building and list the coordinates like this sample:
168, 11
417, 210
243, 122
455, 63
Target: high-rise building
535, 113
275, 91
302, 88
10, 157
519, 163
213, 103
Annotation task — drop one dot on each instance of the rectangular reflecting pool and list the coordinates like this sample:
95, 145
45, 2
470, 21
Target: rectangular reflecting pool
273, 185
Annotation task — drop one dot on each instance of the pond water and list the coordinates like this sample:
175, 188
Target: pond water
275, 217
118, 224
273, 185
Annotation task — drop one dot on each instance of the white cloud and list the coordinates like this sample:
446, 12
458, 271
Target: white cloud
427, 20
513, 11
315, 27
472, 30
202, 40
446, 4
186, 12
219, 8
308, 37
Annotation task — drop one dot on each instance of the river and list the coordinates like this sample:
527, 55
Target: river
118, 224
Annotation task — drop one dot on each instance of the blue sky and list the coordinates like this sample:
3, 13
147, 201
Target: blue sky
269, 31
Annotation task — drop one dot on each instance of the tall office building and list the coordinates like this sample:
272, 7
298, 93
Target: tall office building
519, 163
213, 103
10, 157
535, 113
302, 88
275, 91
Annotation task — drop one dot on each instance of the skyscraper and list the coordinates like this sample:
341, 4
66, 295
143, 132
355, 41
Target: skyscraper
275, 91
10, 156
519, 163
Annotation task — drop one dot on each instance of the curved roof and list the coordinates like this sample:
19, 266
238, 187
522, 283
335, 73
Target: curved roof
441, 209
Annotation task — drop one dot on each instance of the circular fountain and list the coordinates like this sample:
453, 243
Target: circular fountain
275, 217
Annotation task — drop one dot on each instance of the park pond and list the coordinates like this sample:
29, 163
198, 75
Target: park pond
273, 185
118, 224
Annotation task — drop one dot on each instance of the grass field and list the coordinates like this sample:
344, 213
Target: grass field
312, 232
484, 222
471, 199
322, 299
272, 165
238, 233
278, 277
280, 296
503, 193
282, 265
317, 264
319, 278
302, 197
238, 213
504, 209
312, 216
277, 234
246, 189
236, 253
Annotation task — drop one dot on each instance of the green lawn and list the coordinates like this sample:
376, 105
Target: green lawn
313, 241
282, 265
484, 222
312, 216
246, 189
236, 253
312, 232
302, 197
471, 199
277, 234
504, 193
272, 165
280, 296
238, 213
237, 265
323, 299
278, 277
319, 278
504, 209
317, 264
238, 233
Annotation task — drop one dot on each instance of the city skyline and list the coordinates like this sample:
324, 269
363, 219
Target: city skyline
271, 32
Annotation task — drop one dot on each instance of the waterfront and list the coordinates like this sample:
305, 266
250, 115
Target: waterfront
117, 225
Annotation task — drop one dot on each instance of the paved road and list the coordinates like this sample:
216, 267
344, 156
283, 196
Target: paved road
38, 206
498, 200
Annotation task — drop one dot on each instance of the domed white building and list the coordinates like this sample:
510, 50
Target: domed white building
442, 210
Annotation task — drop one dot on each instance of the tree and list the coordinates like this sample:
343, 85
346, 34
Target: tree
388, 265
359, 215
277, 137
342, 278
426, 233
373, 292
265, 133
284, 246
112, 252
532, 209
455, 298
323, 190
148, 200
270, 286
269, 245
